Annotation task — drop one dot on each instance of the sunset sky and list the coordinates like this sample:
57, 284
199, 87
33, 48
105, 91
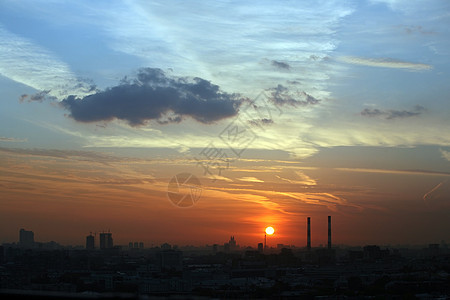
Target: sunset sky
282, 109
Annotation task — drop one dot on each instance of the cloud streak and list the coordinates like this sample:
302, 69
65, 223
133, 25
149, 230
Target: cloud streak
154, 96
393, 114
385, 63
11, 139
400, 172
250, 179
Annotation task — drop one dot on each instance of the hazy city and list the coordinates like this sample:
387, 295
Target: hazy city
225, 149
101, 269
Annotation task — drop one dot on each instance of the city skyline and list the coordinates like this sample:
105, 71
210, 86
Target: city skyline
188, 123
104, 240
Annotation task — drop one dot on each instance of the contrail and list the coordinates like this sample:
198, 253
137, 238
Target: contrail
429, 194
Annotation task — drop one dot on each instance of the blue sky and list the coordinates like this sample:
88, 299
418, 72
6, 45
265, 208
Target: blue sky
334, 80
389, 56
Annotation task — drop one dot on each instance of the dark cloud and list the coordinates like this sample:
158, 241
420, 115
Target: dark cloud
155, 96
260, 122
38, 97
293, 82
280, 65
393, 114
417, 30
319, 58
283, 96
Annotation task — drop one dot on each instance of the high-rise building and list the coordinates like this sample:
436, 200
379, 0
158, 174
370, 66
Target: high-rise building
261, 247
329, 232
106, 240
26, 238
166, 246
170, 259
232, 243
90, 242
308, 234
2, 254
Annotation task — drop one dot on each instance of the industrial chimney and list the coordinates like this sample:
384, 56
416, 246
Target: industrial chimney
329, 232
308, 243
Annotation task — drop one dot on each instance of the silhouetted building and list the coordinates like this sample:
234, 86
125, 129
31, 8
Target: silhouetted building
106, 240
373, 252
325, 256
232, 243
261, 247
355, 255
90, 242
26, 238
136, 245
166, 246
170, 259
433, 249
329, 232
308, 234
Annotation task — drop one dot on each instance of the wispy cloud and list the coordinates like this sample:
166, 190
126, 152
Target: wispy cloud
23, 61
63, 154
12, 139
243, 35
402, 172
385, 63
284, 96
332, 202
392, 113
250, 179
445, 154
304, 179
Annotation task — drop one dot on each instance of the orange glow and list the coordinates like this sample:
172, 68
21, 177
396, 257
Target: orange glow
270, 230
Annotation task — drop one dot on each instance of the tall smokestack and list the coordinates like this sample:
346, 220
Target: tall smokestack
308, 243
329, 232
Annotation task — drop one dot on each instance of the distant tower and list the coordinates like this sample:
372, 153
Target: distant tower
26, 238
261, 247
232, 243
329, 232
90, 242
308, 235
106, 240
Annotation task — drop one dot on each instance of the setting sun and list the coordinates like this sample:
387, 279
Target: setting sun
270, 230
